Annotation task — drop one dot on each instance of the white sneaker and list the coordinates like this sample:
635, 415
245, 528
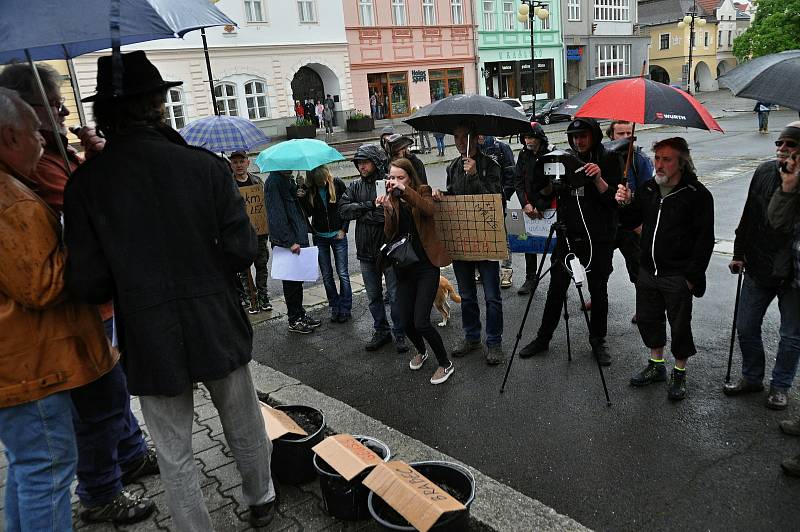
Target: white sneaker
418, 360
505, 277
442, 374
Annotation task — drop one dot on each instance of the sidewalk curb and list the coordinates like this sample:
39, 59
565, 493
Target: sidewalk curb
496, 506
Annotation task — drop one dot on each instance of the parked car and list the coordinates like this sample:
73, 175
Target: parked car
549, 112
515, 103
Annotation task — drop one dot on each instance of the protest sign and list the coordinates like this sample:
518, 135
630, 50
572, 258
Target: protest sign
255, 208
471, 226
529, 235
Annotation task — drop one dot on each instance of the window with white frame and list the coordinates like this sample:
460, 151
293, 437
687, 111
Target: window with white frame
488, 15
545, 23
367, 11
176, 114
306, 11
399, 12
612, 10
254, 11
509, 16
573, 9
429, 12
457, 11
226, 99
613, 60
255, 95
664, 44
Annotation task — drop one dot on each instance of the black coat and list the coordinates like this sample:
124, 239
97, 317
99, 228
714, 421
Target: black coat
288, 224
767, 252
488, 180
358, 203
325, 215
677, 230
161, 227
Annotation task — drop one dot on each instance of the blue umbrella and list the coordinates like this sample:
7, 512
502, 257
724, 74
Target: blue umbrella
297, 154
224, 134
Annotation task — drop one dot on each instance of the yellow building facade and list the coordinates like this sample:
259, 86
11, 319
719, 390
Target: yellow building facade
669, 54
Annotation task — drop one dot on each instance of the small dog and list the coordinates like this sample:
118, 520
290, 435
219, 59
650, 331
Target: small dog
441, 303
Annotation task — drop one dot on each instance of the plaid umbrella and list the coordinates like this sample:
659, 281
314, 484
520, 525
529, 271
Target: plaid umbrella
224, 134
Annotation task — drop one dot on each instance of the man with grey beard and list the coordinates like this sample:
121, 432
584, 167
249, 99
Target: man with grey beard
677, 216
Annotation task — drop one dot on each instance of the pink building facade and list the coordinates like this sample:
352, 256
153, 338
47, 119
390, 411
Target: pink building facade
408, 53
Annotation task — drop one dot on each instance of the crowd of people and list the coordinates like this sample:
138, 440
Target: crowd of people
143, 289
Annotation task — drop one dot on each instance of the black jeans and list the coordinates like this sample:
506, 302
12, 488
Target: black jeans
293, 295
628, 243
597, 280
416, 291
656, 296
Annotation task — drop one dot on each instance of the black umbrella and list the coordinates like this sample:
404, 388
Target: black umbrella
489, 115
769, 78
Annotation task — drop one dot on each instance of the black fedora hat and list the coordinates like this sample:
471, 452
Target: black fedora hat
139, 76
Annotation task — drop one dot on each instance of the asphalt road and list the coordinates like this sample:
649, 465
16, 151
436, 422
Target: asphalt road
707, 463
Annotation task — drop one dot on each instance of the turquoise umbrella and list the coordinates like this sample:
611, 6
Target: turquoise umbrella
297, 154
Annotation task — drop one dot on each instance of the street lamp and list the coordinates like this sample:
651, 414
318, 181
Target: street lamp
529, 10
689, 20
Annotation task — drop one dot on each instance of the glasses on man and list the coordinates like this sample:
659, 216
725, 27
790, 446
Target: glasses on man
788, 143
57, 105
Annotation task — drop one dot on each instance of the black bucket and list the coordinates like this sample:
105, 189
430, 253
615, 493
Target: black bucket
347, 499
454, 476
292, 457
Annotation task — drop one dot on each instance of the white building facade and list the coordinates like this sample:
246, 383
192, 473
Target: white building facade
281, 51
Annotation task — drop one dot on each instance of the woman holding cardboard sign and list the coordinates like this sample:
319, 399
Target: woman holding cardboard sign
416, 253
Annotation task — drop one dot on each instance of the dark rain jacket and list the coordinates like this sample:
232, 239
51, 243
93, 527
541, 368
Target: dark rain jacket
524, 173
358, 203
504, 157
487, 181
324, 214
288, 224
784, 216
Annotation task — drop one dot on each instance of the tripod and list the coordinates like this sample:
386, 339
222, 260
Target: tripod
560, 230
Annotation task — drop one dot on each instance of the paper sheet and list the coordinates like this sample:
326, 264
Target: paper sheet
286, 266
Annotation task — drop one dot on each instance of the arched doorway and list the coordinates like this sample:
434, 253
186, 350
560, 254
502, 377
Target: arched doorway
725, 66
702, 75
307, 84
658, 74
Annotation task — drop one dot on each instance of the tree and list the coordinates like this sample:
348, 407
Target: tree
776, 28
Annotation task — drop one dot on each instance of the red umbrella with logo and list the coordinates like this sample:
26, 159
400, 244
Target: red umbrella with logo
641, 101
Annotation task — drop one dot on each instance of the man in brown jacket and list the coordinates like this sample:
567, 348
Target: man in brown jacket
48, 343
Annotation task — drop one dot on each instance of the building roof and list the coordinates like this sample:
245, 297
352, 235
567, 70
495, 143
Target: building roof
655, 12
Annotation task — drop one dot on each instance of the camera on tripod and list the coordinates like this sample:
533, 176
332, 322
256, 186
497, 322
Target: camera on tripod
564, 170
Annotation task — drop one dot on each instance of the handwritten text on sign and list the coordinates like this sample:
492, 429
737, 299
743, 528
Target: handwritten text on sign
472, 227
256, 210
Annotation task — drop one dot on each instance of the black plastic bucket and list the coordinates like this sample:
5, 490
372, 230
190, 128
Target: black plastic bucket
453, 475
347, 499
292, 457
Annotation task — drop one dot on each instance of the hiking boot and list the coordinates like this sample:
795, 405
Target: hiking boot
505, 277
677, 386
494, 355
536, 347
466, 347
400, 345
442, 374
143, 466
526, 287
791, 466
262, 514
654, 372
600, 350
298, 326
311, 322
790, 426
777, 399
126, 508
379, 339
264, 304
252, 309
418, 360
742, 387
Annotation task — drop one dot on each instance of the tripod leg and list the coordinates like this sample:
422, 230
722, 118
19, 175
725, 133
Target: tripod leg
536, 281
566, 325
597, 360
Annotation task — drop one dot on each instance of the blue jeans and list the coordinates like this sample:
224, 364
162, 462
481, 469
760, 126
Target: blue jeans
753, 305
440, 143
341, 302
41, 453
374, 286
468, 290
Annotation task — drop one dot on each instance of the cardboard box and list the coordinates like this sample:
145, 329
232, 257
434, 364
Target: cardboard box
412, 495
278, 423
346, 455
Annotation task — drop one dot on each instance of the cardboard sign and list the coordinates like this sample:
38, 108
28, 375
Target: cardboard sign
472, 227
256, 210
529, 235
278, 423
346, 455
412, 495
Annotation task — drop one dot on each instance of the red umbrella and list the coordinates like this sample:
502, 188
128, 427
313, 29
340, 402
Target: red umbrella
643, 101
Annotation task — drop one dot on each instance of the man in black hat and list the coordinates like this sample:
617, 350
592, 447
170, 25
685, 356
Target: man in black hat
159, 226
398, 146
590, 215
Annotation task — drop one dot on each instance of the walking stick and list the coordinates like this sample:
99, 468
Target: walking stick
733, 329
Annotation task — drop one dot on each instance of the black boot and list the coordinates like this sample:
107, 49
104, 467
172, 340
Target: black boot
600, 350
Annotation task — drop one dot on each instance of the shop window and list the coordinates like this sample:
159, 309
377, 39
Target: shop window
445, 82
398, 93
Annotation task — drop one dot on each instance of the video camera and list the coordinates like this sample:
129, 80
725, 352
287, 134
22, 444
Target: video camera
564, 170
